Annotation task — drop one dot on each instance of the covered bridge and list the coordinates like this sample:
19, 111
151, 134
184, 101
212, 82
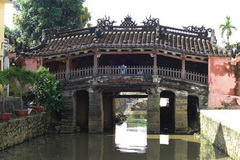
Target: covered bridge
96, 64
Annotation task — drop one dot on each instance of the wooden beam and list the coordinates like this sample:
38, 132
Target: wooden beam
130, 96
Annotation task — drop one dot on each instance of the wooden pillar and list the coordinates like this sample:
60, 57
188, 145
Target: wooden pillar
67, 72
95, 114
39, 62
183, 66
153, 111
95, 63
155, 62
181, 115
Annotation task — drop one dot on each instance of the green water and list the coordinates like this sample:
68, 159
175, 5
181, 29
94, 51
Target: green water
130, 142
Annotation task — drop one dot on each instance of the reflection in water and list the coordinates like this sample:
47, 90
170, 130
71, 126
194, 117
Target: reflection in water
131, 139
129, 143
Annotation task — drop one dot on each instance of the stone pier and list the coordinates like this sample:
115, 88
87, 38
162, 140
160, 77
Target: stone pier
181, 119
96, 115
68, 122
153, 111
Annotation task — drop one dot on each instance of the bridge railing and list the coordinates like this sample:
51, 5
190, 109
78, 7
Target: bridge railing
169, 72
82, 72
196, 77
60, 75
132, 70
129, 70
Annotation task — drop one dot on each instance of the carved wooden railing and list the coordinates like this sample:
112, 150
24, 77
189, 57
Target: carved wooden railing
83, 72
60, 75
132, 70
196, 77
129, 70
74, 73
169, 72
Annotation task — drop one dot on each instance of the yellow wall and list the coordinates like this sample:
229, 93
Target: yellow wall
2, 2
1, 31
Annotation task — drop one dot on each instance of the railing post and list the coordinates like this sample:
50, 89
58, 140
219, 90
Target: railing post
67, 68
95, 63
183, 66
155, 61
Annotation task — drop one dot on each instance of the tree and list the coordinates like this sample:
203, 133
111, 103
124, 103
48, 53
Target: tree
20, 77
46, 91
14, 38
35, 15
4, 80
227, 27
84, 17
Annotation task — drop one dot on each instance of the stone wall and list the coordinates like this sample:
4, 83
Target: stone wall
11, 103
221, 128
18, 130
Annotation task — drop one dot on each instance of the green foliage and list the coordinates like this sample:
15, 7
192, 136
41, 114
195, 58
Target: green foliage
85, 17
46, 91
7, 31
35, 15
3, 81
156, 105
227, 27
19, 78
14, 36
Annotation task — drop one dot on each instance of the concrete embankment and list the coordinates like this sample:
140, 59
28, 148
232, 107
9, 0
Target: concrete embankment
222, 128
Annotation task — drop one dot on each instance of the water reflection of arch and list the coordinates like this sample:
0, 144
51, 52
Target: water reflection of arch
167, 111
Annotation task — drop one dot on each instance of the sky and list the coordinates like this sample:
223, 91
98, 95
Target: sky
172, 13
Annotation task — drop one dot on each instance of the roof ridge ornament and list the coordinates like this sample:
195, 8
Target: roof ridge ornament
128, 22
105, 23
151, 23
197, 29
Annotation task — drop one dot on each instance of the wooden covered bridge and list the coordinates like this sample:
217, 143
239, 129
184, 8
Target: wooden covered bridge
95, 64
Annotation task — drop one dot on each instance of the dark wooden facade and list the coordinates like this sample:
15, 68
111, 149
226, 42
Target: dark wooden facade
150, 44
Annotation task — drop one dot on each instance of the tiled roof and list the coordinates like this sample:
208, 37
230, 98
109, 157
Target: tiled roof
190, 40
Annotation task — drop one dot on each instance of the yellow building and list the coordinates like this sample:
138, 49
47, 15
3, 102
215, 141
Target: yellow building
2, 4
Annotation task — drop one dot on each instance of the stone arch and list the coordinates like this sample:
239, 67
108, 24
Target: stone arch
109, 111
167, 111
193, 113
82, 109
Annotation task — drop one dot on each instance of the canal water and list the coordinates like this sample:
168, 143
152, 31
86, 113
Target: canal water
130, 142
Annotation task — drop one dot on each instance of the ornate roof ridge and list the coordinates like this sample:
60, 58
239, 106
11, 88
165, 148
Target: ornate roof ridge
191, 39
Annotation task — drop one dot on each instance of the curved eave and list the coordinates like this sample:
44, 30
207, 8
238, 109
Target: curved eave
93, 46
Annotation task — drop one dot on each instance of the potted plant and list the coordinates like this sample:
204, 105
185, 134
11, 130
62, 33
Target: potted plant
20, 77
4, 116
46, 92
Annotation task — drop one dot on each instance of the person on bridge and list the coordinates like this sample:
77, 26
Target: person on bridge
123, 69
